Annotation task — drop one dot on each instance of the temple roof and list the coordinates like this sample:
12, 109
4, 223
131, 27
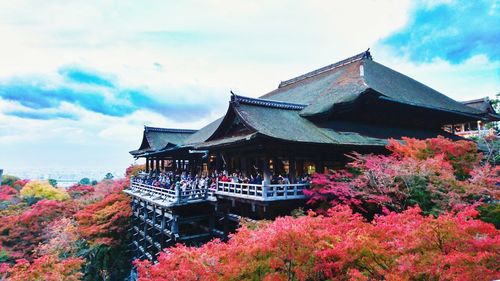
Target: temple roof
484, 105
348, 80
155, 139
283, 114
273, 120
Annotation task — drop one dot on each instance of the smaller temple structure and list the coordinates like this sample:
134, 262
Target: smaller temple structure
478, 127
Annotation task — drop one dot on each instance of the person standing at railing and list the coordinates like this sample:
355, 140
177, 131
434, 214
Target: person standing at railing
178, 192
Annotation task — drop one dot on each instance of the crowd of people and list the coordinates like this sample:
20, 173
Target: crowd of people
188, 181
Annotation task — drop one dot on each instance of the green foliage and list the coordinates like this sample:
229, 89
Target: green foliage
490, 213
9, 180
84, 181
419, 194
109, 176
53, 182
107, 262
4, 256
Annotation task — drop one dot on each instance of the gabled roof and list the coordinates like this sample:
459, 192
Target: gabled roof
283, 114
348, 80
203, 134
484, 105
279, 121
159, 138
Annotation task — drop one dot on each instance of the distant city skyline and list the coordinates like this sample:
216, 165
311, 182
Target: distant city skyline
79, 80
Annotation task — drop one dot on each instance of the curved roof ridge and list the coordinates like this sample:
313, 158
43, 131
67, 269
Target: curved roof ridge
169, 130
267, 103
364, 55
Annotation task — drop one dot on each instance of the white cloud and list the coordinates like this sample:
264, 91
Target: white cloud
204, 48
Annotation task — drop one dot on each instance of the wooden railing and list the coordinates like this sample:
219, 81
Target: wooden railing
177, 196
262, 192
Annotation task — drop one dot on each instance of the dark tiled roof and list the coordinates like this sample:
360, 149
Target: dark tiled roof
169, 130
482, 104
280, 113
316, 72
348, 80
155, 139
225, 141
267, 103
203, 134
287, 125
280, 123
403, 89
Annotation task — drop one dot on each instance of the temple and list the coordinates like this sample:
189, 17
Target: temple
255, 161
476, 128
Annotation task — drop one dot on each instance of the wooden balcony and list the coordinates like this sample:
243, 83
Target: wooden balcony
262, 192
257, 192
167, 197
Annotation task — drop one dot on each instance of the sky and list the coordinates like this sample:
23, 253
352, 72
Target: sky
80, 79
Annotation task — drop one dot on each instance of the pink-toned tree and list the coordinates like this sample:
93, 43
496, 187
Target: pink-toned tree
342, 246
21, 233
44, 268
438, 174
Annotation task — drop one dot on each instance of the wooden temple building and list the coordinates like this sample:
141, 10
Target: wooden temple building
306, 125
476, 128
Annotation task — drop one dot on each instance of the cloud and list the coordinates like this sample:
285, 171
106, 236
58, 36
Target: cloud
453, 31
97, 93
40, 115
85, 77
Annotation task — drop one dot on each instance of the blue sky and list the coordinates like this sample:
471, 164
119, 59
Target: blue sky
79, 80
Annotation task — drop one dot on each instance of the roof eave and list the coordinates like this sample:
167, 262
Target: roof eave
477, 117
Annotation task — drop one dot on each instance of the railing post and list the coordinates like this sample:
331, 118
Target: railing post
265, 187
177, 192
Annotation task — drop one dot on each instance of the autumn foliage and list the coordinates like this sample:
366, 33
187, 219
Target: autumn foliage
7, 193
44, 268
105, 221
437, 174
342, 246
44, 190
53, 234
21, 233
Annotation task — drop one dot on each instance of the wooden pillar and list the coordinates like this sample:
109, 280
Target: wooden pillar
292, 173
244, 166
319, 165
162, 165
218, 162
147, 164
152, 164
266, 172
157, 166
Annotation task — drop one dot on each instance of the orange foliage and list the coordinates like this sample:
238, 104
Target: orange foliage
461, 154
45, 268
342, 246
105, 221
20, 234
